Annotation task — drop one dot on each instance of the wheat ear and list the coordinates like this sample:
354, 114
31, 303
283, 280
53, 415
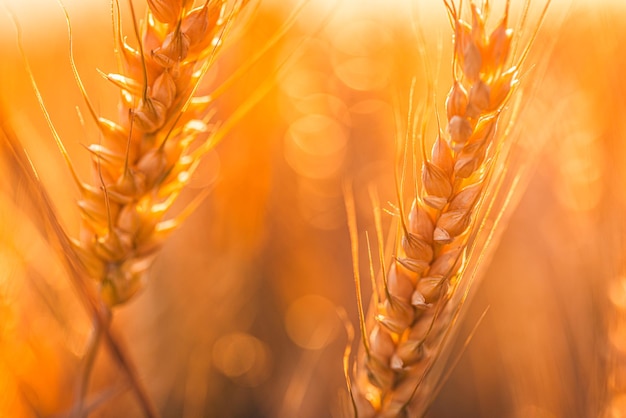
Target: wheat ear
419, 297
144, 160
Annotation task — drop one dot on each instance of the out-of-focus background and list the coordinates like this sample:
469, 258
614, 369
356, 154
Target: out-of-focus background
239, 316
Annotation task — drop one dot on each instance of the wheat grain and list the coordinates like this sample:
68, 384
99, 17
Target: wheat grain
422, 281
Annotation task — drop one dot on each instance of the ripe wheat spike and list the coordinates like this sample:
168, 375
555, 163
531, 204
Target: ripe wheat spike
416, 303
145, 159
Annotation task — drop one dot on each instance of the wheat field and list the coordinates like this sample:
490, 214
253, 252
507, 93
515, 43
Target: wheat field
247, 306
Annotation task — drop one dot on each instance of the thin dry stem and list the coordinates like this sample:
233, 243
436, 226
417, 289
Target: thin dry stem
50, 226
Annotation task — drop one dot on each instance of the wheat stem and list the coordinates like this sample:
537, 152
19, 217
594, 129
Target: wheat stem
88, 361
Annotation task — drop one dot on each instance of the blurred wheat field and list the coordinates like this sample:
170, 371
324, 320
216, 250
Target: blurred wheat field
238, 318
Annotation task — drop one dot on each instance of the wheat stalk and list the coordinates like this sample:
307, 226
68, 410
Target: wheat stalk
423, 286
143, 161
146, 159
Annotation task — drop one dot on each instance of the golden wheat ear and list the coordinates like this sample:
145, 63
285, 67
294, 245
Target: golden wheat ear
460, 197
145, 160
